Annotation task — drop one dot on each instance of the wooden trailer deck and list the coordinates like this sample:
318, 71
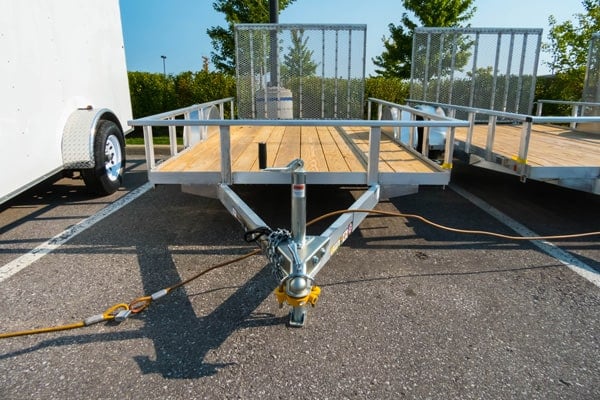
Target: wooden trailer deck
556, 154
331, 155
549, 146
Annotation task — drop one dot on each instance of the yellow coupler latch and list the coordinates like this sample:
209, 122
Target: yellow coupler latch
311, 298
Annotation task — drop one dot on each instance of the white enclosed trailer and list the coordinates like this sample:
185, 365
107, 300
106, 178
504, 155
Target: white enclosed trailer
64, 94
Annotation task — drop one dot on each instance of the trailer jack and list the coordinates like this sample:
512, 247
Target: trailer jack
295, 257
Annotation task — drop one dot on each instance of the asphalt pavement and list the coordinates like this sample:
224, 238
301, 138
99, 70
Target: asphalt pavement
406, 310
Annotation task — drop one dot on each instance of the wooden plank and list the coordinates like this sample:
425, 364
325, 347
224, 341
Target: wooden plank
311, 151
289, 149
274, 144
352, 155
333, 156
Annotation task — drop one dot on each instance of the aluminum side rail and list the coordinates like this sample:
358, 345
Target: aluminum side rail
579, 177
170, 120
425, 116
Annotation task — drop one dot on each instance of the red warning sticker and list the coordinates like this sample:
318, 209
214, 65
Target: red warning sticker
298, 190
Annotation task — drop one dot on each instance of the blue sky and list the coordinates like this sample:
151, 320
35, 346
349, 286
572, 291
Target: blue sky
177, 28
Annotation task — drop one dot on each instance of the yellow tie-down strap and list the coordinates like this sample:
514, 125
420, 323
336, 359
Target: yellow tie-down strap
311, 298
519, 160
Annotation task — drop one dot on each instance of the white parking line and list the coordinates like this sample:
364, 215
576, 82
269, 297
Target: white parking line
552, 250
16, 265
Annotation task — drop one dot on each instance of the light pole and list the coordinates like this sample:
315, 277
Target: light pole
164, 67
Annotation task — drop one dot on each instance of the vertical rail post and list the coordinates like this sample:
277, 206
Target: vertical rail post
335, 78
538, 110
251, 74
425, 145
449, 149
172, 139
534, 74
474, 71
224, 131
411, 130
187, 132
511, 47
521, 159
148, 143
470, 129
373, 161
495, 76
348, 84
264, 84
489, 145
520, 80
426, 72
323, 75
439, 69
574, 113
452, 67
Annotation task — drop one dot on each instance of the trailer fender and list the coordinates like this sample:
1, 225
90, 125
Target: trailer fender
78, 137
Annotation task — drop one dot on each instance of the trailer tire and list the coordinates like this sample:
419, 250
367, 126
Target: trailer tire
109, 157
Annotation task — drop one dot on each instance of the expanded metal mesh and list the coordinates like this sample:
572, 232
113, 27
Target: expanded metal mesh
485, 68
591, 89
300, 71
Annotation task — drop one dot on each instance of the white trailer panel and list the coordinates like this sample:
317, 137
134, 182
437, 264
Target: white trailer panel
58, 57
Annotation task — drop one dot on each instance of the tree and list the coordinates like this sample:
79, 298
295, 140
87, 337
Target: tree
395, 61
236, 11
569, 41
298, 62
568, 46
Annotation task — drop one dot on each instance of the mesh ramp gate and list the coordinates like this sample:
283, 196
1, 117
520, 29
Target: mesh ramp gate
591, 88
489, 68
307, 71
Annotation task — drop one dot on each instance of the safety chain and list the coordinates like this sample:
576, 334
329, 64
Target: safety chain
275, 238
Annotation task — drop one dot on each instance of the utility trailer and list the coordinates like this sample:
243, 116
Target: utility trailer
278, 141
299, 153
532, 147
65, 96
487, 76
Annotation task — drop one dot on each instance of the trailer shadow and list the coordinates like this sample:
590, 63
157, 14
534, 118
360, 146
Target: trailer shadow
182, 340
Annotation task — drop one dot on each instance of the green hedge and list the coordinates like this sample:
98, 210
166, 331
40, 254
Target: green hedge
155, 93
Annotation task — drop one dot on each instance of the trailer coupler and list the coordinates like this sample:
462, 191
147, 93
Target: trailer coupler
299, 304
